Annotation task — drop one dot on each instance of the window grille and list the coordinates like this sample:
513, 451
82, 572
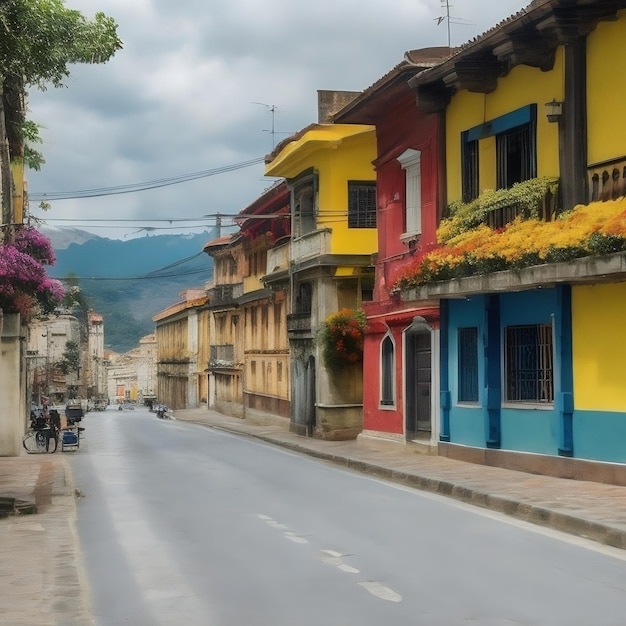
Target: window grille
468, 365
361, 205
529, 366
470, 170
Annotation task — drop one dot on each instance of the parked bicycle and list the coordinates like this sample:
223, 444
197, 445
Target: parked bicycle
43, 435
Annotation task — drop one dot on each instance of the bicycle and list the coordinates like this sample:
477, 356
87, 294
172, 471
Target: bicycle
41, 440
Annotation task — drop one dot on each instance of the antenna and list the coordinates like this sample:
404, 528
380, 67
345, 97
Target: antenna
448, 19
272, 108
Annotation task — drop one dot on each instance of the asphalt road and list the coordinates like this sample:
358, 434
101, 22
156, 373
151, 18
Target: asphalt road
190, 525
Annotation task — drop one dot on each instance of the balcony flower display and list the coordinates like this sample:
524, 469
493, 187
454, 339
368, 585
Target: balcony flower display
587, 230
341, 338
24, 284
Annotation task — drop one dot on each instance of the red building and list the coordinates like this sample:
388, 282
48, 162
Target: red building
400, 397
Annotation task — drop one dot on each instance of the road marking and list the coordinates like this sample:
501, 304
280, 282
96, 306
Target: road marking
336, 555
295, 538
382, 592
348, 569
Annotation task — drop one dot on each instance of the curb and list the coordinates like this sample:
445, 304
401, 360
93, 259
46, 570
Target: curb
528, 512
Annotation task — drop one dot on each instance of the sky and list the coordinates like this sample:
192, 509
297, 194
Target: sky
203, 86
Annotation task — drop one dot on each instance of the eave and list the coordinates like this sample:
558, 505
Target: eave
292, 157
529, 37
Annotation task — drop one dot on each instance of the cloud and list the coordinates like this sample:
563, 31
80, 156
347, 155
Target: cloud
182, 96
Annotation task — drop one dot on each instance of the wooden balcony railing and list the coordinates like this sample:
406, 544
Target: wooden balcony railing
607, 180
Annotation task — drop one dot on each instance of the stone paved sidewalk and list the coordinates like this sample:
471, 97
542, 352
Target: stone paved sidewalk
40, 573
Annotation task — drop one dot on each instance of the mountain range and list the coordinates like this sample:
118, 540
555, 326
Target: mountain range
129, 281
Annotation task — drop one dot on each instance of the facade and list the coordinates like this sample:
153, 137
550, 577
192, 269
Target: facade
131, 377
264, 226
328, 169
46, 343
400, 397
225, 367
179, 371
95, 367
529, 358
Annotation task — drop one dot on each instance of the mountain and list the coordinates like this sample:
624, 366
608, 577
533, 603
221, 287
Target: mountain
129, 281
61, 238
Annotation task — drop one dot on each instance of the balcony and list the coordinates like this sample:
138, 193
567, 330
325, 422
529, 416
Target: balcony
225, 295
299, 323
278, 259
311, 245
607, 180
505, 213
222, 356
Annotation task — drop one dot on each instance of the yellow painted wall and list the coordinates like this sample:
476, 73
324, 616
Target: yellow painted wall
339, 153
352, 161
522, 86
599, 347
606, 90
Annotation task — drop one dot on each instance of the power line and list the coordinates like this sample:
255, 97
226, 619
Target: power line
97, 192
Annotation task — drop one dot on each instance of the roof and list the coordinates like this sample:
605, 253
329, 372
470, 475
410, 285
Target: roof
389, 86
529, 37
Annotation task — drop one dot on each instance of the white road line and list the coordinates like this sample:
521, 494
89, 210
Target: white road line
382, 592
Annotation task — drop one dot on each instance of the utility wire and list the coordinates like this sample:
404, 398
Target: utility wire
154, 184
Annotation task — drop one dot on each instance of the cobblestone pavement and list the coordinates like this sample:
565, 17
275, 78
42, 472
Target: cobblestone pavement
40, 573
41, 580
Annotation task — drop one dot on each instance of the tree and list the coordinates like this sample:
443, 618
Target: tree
39, 40
70, 363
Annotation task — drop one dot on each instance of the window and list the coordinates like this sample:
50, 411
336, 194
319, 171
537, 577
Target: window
303, 202
470, 169
361, 205
516, 150
468, 365
516, 155
411, 162
387, 372
529, 363
304, 298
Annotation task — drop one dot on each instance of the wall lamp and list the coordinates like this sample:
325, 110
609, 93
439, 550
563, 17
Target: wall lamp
554, 110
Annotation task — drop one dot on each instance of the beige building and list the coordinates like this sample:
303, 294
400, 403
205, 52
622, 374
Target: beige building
264, 306
46, 343
182, 340
226, 359
131, 377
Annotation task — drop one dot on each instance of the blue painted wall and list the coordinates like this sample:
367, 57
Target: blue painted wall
467, 421
528, 429
600, 435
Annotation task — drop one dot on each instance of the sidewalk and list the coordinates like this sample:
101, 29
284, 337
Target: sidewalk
40, 578
40, 581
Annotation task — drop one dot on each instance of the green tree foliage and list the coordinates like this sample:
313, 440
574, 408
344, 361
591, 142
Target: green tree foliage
39, 40
70, 359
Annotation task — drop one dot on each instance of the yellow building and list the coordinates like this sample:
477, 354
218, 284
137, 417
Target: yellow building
328, 169
531, 348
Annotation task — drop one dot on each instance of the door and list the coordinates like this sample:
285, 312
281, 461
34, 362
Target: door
418, 384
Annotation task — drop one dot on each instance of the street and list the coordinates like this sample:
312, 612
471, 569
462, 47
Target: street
182, 523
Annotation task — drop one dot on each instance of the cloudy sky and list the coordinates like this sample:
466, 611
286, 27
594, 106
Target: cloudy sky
198, 88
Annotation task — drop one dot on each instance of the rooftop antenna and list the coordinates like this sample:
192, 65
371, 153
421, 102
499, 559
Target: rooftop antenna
449, 19
272, 108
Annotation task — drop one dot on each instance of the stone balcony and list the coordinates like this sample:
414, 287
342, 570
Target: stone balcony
600, 269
